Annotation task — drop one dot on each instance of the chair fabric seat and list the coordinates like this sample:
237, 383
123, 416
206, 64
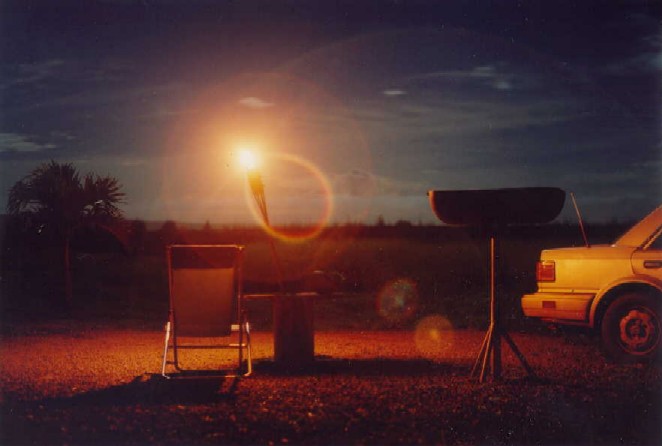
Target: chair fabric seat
205, 297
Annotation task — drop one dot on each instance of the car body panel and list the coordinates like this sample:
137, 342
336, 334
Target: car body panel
647, 263
638, 235
552, 306
583, 276
585, 270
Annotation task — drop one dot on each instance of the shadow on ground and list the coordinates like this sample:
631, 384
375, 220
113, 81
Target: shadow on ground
192, 388
285, 402
149, 390
324, 365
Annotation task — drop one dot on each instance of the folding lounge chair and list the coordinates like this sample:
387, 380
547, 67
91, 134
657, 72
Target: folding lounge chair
205, 309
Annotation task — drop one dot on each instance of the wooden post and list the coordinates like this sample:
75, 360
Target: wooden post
294, 329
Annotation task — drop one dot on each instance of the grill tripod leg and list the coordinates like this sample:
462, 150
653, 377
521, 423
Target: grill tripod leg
519, 355
489, 358
490, 350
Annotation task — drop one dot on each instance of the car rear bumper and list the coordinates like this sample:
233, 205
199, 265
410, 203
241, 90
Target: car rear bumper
557, 306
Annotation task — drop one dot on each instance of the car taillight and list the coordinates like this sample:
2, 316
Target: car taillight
545, 271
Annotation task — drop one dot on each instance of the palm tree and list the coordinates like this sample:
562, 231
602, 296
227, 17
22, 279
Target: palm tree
54, 197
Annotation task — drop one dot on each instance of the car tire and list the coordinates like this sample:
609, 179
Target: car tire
631, 327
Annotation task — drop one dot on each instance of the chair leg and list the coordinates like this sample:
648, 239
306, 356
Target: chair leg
165, 350
249, 355
244, 342
240, 345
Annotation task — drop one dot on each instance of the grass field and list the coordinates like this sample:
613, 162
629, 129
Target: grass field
381, 282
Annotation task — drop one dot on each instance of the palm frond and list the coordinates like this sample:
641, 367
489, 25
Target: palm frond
102, 195
54, 193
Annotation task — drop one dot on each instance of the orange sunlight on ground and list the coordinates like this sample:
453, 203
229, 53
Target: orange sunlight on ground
434, 336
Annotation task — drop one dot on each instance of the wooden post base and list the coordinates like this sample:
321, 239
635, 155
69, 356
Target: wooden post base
294, 330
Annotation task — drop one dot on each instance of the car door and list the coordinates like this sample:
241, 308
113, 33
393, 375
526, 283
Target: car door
648, 260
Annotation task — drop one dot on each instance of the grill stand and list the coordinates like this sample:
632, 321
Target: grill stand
489, 358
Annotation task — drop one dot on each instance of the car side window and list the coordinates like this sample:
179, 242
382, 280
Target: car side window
657, 244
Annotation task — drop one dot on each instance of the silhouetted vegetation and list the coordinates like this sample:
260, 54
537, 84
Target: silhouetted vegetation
50, 206
136, 237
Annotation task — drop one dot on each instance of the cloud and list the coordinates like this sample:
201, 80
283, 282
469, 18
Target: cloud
484, 71
253, 102
356, 183
15, 143
431, 115
497, 78
39, 74
645, 55
133, 162
38, 71
360, 183
645, 62
165, 113
394, 92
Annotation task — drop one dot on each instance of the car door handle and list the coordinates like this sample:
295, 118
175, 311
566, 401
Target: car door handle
652, 264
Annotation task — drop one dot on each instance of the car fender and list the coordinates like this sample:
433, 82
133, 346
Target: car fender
608, 293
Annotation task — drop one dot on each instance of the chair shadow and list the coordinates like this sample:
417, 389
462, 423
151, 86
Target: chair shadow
193, 388
154, 389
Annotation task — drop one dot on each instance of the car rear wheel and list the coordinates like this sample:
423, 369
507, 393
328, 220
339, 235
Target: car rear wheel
631, 328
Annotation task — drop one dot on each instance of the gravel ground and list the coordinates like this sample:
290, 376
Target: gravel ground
76, 384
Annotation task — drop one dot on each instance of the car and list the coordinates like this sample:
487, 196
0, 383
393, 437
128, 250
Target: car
615, 290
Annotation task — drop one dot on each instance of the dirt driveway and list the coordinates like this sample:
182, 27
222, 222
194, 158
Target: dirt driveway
77, 384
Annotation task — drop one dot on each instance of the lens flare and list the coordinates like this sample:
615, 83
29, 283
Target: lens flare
299, 233
308, 121
397, 301
248, 159
434, 335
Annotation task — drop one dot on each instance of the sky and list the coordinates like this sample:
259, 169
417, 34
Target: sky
356, 108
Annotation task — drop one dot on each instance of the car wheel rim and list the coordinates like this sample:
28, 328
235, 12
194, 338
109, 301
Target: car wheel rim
639, 331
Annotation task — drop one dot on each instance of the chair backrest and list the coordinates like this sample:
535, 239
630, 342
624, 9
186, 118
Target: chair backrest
205, 285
